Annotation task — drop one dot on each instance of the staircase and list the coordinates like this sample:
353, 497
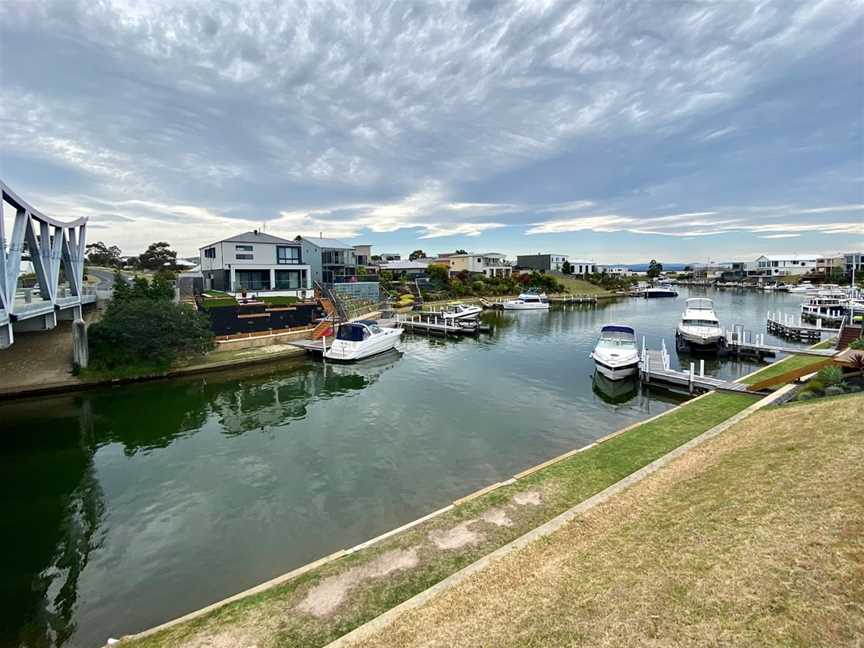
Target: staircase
848, 334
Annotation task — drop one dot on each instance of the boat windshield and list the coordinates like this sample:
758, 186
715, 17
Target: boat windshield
352, 333
616, 340
700, 322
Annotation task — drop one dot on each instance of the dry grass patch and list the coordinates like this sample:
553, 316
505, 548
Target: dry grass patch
755, 538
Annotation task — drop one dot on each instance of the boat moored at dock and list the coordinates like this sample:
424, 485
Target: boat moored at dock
362, 339
616, 355
529, 300
461, 311
663, 290
699, 329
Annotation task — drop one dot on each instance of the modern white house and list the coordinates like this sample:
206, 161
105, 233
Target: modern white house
621, 271
581, 267
782, 266
490, 264
255, 262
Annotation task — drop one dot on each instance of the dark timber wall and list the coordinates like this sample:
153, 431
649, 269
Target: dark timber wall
228, 320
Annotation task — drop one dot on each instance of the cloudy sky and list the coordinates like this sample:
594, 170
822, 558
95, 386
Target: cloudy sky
611, 130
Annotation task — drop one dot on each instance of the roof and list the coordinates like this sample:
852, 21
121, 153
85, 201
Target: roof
327, 243
473, 254
406, 265
790, 257
253, 237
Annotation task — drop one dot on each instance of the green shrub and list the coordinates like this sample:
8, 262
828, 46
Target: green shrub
857, 344
830, 376
147, 332
815, 386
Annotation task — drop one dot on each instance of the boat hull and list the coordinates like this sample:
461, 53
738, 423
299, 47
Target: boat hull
698, 341
616, 372
342, 351
512, 305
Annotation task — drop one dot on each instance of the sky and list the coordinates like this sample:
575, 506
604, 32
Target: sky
614, 131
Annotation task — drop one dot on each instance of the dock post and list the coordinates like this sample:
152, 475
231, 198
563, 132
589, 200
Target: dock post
702, 367
324, 347
692, 370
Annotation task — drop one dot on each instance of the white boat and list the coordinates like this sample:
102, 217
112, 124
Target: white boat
530, 300
660, 291
829, 304
461, 311
615, 355
361, 339
699, 328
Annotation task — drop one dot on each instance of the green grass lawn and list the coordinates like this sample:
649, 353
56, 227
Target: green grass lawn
272, 617
279, 301
578, 286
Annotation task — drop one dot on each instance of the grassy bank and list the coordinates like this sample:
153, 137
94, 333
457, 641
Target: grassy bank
754, 538
578, 286
789, 363
329, 601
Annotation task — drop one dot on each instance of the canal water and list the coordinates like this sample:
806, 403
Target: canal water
125, 507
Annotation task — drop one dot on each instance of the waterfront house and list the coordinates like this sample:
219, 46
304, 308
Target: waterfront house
410, 269
331, 261
786, 265
544, 262
489, 264
620, 271
581, 267
386, 257
255, 262
363, 255
854, 262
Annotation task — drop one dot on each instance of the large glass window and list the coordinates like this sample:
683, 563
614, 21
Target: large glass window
287, 255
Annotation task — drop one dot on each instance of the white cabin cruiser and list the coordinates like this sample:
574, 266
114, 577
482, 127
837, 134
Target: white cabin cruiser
699, 329
826, 304
530, 300
461, 311
361, 339
615, 354
663, 290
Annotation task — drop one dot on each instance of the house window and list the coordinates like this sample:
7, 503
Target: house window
210, 253
287, 255
244, 252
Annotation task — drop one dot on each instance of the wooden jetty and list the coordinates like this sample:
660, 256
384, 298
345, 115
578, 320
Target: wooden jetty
786, 326
436, 325
654, 368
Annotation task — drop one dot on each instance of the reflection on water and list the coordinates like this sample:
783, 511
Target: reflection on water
135, 504
615, 392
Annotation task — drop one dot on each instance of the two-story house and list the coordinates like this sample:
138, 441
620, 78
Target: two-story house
782, 266
254, 262
331, 261
490, 264
545, 262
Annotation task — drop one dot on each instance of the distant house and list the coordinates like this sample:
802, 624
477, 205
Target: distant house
544, 262
489, 264
782, 266
621, 271
255, 261
854, 262
363, 254
410, 269
390, 256
331, 261
583, 267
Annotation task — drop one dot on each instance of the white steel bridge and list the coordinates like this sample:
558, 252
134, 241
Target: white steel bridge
50, 245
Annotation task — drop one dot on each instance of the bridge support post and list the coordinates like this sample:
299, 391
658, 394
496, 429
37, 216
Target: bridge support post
80, 350
6, 336
44, 322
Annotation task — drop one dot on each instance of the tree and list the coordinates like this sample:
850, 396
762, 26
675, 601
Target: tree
566, 268
143, 330
157, 256
438, 274
416, 254
654, 269
460, 251
99, 254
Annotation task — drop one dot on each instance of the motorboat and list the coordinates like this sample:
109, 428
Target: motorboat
699, 329
361, 339
461, 311
663, 290
831, 304
615, 355
529, 300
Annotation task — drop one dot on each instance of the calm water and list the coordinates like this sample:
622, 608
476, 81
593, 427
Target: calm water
126, 507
